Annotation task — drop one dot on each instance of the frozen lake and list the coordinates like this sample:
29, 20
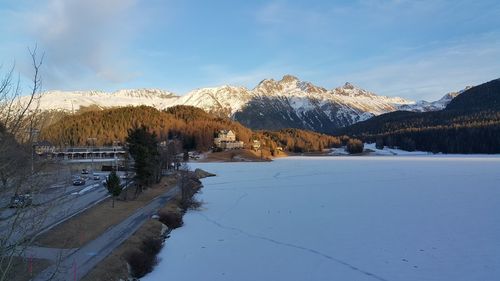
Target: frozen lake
342, 218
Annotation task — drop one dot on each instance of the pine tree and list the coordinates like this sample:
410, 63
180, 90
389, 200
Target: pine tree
113, 185
143, 147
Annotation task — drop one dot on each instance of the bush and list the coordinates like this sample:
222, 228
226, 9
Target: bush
190, 204
172, 220
151, 246
140, 263
355, 146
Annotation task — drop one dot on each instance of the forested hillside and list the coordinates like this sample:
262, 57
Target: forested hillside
193, 126
469, 124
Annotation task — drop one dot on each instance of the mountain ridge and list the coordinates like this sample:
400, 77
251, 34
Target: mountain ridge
290, 101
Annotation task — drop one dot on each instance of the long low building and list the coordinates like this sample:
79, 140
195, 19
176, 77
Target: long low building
105, 152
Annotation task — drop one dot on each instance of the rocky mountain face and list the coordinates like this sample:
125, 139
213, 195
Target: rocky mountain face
272, 104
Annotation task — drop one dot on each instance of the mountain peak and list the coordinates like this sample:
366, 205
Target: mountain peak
349, 86
289, 79
349, 89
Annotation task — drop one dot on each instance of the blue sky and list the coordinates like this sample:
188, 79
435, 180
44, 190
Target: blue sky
416, 49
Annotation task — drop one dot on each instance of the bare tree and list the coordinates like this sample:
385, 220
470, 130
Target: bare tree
183, 183
20, 177
168, 154
189, 185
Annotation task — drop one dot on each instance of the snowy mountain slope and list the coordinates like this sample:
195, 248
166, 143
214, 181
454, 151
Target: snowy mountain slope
290, 102
225, 100
423, 106
272, 104
70, 101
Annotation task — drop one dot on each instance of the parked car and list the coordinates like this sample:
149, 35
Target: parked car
96, 177
85, 171
78, 182
20, 201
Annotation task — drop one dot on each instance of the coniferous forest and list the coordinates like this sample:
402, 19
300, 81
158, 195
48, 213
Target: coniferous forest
192, 126
469, 124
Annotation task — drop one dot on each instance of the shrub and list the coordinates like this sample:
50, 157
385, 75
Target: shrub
140, 263
143, 260
190, 204
151, 246
172, 220
354, 146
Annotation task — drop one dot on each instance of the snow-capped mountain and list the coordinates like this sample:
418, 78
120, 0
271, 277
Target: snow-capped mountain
72, 101
272, 104
290, 102
423, 106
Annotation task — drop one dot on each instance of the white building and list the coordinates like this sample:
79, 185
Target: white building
226, 139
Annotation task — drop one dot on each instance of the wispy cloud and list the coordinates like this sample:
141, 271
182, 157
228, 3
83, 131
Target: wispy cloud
430, 74
83, 38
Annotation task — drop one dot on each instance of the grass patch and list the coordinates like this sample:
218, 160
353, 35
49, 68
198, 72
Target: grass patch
91, 223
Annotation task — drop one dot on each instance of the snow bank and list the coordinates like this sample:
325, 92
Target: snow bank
393, 151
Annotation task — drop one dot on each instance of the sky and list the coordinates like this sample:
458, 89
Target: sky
414, 49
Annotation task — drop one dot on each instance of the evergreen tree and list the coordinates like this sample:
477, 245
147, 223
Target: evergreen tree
143, 147
113, 185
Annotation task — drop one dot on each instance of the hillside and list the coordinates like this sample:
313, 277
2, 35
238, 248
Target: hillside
469, 124
193, 126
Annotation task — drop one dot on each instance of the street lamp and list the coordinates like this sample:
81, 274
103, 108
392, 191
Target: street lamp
93, 141
33, 133
115, 149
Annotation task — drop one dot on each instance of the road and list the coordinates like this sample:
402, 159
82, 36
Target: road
81, 261
50, 207
39, 218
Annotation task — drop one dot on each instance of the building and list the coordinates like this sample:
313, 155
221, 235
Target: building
87, 153
43, 148
256, 145
225, 136
226, 139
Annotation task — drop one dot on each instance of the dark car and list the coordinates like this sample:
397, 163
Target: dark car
78, 182
85, 172
20, 201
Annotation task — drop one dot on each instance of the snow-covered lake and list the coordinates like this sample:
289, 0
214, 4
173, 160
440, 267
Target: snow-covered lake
342, 218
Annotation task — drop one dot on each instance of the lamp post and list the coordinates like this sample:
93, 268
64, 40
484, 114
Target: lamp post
93, 141
115, 148
33, 133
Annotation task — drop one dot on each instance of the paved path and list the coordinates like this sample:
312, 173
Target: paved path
52, 254
87, 257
